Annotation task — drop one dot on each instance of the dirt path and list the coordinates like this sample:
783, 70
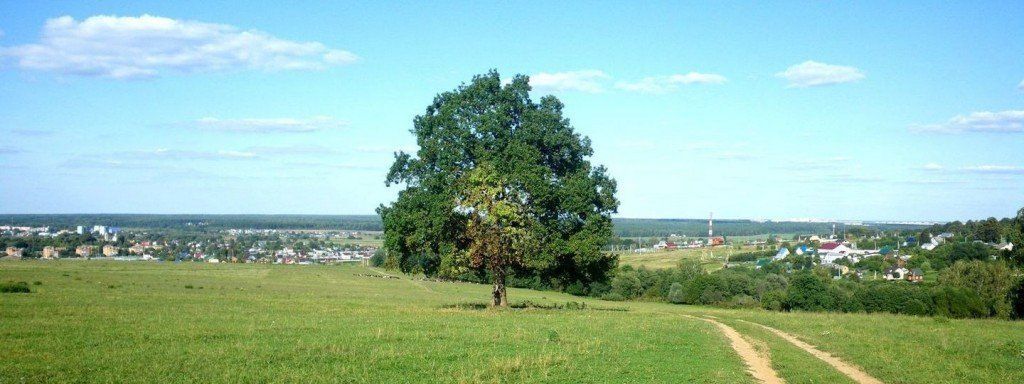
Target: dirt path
855, 373
759, 366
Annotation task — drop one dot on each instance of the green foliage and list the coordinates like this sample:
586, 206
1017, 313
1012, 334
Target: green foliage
957, 302
533, 153
377, 260
675, 293
993, 282
1016, 299
750, 256
14, 287
808, 292
773, 300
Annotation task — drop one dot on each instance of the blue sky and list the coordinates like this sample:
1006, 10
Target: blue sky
868, 111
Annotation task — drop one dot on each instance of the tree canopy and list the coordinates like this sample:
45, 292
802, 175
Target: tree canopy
488, 145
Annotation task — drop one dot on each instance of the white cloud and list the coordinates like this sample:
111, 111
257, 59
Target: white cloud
293, 150
996, 122
150, 46
180, 154
697, 78
1021, 85
658, 85
813, 73
281, 125
994, 169
346, 166
583, 81
977, 169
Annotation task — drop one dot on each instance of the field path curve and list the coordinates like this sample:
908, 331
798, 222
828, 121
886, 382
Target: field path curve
853, 372
759, 366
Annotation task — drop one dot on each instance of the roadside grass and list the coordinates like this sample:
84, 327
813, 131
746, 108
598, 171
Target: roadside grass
266, 323
789, 361
903, 349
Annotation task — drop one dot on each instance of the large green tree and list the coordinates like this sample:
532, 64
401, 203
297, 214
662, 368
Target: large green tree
531, 151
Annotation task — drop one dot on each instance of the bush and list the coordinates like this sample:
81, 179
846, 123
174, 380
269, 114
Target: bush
627, 284
612, 296
958, 303
773, 300
12, 287
576, 289
808, 292
1016, 298
377, 260
993, 281
742, 301
675, 294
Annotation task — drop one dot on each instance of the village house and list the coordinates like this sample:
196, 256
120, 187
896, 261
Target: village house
781, 254
834, 251
50, 252
109, 250
14, 253
666, 245
895, 273
915, 275
804, 249
83, 250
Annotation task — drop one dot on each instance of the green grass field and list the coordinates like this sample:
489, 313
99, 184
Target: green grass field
90, 321
669, 259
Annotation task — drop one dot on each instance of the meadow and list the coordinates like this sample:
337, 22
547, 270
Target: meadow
662, 259
94, 321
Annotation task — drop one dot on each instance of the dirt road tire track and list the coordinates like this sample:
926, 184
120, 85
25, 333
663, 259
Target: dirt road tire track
853, 372
757, 365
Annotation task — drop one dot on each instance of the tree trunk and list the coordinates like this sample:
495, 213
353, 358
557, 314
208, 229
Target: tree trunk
499, 298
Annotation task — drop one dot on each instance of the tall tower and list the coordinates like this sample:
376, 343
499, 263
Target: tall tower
711, 225
711, 233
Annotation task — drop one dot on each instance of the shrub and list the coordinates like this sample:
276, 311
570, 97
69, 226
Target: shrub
773, 300
742, 301
1016, 298
12, 287
958, 302
612, 296
675, 293
627, 284
808, 292
993, 281
377, 260
576, 289
915, 307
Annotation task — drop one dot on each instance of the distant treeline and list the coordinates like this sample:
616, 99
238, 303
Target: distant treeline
348, 222
623, 227
699, 227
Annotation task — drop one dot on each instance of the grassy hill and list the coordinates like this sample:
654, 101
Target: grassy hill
90, 321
